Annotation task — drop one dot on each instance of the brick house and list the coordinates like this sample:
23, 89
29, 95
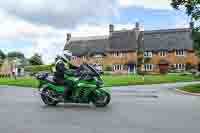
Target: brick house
118, 51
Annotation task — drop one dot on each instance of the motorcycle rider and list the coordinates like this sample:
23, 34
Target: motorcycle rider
62, 67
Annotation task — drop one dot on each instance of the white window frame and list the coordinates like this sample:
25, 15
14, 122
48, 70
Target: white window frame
180, 66
163, 53
148, 67
98, 56
118, 67
179, 52
123, 54
74, 57
83, 57
148, 54
119, 54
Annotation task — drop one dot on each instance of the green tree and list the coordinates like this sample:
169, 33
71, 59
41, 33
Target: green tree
140, 54
2, 55
36, 59
12, 55
192, 9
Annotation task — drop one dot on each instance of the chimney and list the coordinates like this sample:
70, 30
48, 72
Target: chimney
137, 29
137, 25
111, 28
68, 36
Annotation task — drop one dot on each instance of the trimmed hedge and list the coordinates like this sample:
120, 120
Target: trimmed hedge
5, 75
38, 68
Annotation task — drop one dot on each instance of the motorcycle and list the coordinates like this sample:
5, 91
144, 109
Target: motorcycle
87, 87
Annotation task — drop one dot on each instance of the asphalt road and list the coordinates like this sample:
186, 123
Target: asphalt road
136, 109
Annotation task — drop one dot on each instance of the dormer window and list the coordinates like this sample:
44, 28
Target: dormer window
119, 54
148, 54
179, 52
115, 54
163, 53
98, 56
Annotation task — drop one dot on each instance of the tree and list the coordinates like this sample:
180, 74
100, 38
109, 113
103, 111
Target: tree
192, 8
36, 59
140, 54
2, 55
12, 55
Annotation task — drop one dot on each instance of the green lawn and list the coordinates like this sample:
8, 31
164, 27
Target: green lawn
195, 88
112, 80
124, 80
24, 82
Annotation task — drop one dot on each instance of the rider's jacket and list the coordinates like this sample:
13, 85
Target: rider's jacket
60, 68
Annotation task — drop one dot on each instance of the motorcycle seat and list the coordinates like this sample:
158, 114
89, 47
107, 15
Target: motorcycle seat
51, 79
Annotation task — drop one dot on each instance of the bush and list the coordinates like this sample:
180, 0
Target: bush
190, 66
5, 75
185, 74
172, 68
193, 71
108, 68
38, 68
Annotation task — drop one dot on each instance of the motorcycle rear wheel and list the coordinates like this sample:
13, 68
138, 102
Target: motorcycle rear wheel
46, 99
101, 101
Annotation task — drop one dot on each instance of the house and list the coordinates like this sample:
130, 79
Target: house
163, 49
10, 66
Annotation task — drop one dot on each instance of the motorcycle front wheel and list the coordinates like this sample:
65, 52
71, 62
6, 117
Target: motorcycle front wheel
101, 101
46, 97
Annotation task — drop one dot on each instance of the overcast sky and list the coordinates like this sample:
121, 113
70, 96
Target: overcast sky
40, 26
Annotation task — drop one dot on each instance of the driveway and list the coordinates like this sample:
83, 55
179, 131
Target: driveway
134, 109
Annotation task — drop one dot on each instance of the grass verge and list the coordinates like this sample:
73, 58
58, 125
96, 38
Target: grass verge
111, 80
195, 88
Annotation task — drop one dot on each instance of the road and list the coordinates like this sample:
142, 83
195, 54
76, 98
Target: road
134, 109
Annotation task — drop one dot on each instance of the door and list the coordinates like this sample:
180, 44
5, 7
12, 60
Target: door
131, 68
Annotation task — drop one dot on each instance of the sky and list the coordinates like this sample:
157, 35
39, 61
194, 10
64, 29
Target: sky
40, 26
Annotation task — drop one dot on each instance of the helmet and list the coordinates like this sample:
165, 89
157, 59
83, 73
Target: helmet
66, 55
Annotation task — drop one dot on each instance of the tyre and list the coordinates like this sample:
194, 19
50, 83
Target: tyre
45, 96
101, 101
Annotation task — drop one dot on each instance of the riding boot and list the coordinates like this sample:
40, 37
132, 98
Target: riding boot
66, 93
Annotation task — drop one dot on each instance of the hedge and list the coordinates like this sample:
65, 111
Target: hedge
38, 68
5, 75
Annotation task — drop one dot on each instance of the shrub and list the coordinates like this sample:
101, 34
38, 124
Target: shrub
38, 68
5, 75
172, 69
108, 68
190, 66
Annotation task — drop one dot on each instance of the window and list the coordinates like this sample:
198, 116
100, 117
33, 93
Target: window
118, 67
148, 67
180, 66
147, 54
123, 54
74, 57
84, 57
98, 56
119, 54
179, 52
115, 54
163, 53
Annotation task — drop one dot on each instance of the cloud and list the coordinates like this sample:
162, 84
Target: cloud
19, 35
152, 4
29, 38
62, 13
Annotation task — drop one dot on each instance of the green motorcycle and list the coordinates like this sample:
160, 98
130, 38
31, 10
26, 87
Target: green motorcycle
87, 87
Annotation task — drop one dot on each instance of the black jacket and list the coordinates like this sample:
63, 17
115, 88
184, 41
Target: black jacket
61, 70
